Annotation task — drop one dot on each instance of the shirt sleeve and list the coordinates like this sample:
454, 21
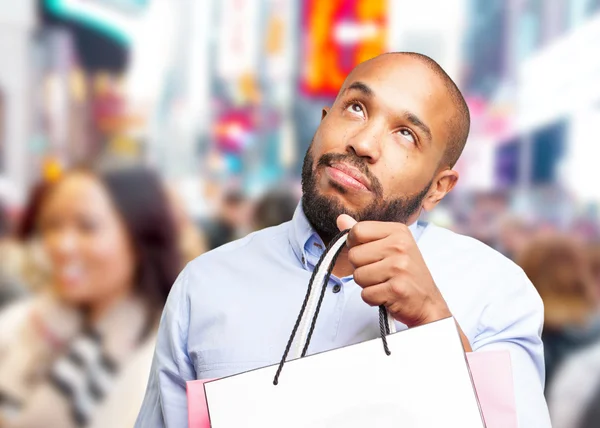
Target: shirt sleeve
165, 402
513, 321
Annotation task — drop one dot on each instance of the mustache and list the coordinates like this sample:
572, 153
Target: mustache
359, 163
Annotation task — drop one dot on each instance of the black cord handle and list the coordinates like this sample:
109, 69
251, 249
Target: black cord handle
384, 327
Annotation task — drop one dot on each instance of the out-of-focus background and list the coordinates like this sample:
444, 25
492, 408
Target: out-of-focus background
218, 100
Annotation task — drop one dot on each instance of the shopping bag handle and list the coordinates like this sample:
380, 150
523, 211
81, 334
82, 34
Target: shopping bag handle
322, 273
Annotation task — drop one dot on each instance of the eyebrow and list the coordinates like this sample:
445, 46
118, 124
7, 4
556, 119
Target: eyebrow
414, 119
361, 87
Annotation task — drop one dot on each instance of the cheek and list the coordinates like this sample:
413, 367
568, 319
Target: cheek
111, 261
330, 137
404, 173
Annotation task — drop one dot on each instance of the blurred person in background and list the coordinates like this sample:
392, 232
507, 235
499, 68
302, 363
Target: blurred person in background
513, 235
78, 354
594, 256
574, 397
558, 267
274, 208
192, 241
11, 283
231, 220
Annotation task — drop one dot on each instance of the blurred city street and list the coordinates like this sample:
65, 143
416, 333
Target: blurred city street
178, 126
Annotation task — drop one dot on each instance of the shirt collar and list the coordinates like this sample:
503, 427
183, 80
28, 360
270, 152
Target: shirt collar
307, 244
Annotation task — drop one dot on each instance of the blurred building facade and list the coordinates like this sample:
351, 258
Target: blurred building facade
221, 92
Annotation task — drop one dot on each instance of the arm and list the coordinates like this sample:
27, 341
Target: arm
165, 403
513, 321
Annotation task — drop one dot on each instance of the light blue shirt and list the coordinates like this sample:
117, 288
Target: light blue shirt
233, 309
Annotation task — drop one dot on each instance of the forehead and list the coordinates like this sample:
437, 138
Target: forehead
79, 189
403, 84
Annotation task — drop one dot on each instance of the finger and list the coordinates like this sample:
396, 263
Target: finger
373, 274
371, 252
345, 222
377, 295
368, 231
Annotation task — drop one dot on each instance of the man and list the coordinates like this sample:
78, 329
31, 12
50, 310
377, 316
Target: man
383, 152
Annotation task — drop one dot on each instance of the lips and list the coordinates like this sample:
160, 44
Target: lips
349, 176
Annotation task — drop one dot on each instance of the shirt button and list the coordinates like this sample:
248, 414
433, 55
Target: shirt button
337, 288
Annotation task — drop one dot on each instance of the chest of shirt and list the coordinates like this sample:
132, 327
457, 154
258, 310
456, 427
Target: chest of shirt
245, 324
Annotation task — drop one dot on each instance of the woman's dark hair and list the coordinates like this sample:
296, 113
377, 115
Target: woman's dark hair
27, 226
141, 200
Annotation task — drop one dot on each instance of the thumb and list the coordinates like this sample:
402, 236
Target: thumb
344, 222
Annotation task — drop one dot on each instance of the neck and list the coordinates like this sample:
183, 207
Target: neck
343, 267
99, 309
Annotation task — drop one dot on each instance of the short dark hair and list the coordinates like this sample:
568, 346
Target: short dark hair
460, 122
275, 207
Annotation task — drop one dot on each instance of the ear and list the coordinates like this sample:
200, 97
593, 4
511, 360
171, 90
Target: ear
442, 185
324, 112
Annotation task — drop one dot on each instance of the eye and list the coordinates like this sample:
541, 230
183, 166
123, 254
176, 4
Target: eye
408, 135
356, 108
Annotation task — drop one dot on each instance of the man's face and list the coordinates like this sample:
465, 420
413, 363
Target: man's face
377, 152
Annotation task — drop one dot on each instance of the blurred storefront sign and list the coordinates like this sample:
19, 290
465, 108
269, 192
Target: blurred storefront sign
238, 38
114, 18
336, 36
490, 120
233, 131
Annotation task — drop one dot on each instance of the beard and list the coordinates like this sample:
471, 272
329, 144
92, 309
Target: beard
322, 211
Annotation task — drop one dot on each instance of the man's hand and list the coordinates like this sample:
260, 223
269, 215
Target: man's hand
391, 271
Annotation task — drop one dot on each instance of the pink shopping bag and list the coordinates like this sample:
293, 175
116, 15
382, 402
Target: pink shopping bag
492, 377
197, 408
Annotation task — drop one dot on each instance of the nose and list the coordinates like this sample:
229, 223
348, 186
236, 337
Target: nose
366, 143
64, 244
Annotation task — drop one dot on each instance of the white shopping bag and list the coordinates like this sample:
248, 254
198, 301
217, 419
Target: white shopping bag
422, 380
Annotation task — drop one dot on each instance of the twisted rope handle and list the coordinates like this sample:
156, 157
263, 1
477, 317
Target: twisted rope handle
321, 275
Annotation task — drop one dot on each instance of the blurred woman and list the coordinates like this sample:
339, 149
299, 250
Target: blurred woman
78, 354
561, 272
11, 283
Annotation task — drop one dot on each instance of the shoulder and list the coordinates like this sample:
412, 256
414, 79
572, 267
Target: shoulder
13, 316
270, 235
265, 240
240, 257
472, 259
494, 281
439, 240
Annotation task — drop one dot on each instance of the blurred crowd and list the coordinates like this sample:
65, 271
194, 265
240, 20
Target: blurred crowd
563, 263
86, 267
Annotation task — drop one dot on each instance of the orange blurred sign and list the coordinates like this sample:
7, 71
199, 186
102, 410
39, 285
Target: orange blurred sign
338, 35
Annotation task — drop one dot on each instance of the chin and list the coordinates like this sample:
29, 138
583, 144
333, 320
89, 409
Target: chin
73, 295
349, 200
